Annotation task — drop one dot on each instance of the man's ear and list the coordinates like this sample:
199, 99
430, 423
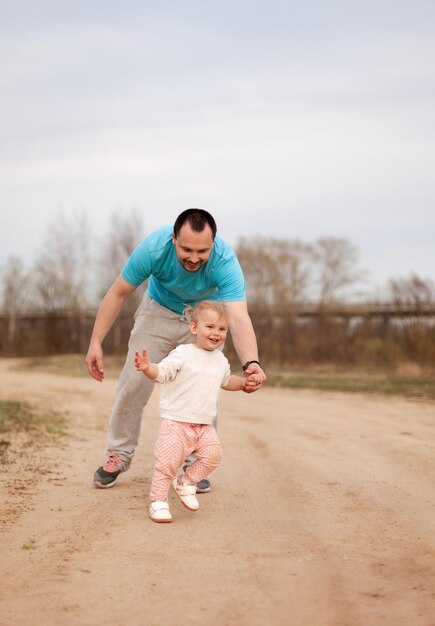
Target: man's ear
174, 239
192, 326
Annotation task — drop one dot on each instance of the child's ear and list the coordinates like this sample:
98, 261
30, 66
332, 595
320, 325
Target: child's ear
192, 328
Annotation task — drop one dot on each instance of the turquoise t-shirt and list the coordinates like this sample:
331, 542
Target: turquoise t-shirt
220, 278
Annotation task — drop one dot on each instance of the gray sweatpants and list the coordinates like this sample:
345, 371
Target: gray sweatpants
159, 330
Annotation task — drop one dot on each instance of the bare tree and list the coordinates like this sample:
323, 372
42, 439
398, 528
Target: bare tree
60, 269
14, 279
277, 271
59, 281
14, 296
336, 268
125, 233
414, 292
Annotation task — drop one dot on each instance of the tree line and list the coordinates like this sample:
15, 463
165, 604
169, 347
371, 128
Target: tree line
49, 307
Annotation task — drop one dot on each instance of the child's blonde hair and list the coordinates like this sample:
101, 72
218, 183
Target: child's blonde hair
205, 305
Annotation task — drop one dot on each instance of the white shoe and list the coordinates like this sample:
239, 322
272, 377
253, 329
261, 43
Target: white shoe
186, 493
159, 512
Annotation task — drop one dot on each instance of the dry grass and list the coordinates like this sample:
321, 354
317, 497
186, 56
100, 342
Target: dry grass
415, 386
28, 438
23, 428
408, 380
67, 365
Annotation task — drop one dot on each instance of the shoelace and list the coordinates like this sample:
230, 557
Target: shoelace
113, 464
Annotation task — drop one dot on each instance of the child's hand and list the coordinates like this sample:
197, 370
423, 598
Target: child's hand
251, 383
142, 363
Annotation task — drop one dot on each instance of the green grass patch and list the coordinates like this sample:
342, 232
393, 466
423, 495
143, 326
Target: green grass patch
22, 428
15, 416
416, 387
68, 365
351, 380
19, 417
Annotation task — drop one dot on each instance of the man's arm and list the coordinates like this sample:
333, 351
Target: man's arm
244, 340
107, 313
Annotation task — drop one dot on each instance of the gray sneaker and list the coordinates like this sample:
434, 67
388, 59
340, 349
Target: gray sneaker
106, 475
204, 485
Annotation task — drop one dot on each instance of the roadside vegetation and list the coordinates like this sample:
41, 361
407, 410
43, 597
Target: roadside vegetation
415, 386
316, 326
68, 365
407, 381
22, 427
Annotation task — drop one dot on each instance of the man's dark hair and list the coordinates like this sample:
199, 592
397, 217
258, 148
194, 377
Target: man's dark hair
197, 219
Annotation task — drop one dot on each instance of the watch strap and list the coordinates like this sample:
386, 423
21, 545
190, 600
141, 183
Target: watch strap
248, 363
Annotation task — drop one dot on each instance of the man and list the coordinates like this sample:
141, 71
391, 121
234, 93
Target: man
185, 265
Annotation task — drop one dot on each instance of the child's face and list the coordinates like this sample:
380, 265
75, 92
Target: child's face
210, 330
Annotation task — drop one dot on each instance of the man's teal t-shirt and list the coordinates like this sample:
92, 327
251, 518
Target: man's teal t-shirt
220, 278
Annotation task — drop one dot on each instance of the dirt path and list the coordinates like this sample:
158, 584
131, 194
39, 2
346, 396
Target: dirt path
322, 515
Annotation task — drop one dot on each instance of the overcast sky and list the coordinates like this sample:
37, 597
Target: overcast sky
290, 119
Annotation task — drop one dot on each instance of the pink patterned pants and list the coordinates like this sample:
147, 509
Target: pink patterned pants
175, 442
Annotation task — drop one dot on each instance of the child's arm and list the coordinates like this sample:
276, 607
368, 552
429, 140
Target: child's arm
238, 383
144, 365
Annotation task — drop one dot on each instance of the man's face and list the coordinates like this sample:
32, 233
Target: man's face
193, 249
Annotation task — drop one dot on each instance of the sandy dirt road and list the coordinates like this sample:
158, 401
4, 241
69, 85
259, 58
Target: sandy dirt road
323, 514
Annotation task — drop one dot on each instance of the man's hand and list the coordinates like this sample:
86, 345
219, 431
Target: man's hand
142, 362
255, 377
94, 362
252, 383
107, 313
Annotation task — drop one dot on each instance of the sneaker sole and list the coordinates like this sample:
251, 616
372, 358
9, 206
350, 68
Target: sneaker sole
161, 521
101, 486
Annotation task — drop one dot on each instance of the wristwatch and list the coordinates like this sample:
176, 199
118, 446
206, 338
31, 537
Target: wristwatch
248, 363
